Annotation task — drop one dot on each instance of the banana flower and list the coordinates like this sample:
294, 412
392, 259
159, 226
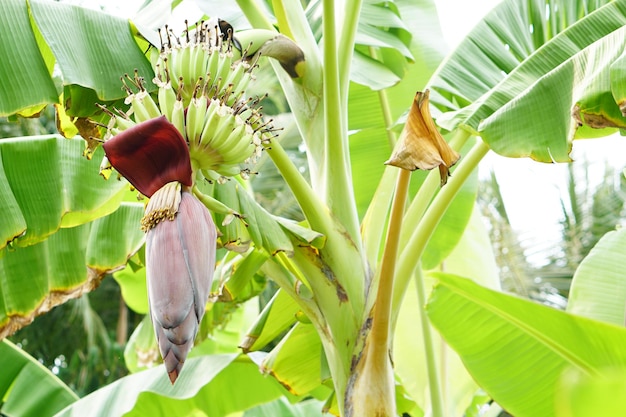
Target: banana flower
180, 233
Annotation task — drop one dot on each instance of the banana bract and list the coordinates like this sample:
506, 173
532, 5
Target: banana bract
150, 155
421, 146
180, 260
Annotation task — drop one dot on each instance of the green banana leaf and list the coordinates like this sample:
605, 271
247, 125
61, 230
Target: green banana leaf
296, 361
92, 51
369, 144
46, 184
517, 350
25, 73
381, 28
64, 266
584, 395
204, 388
278, 315
27, 388
526, 81
282, 408
483, 60
598, 288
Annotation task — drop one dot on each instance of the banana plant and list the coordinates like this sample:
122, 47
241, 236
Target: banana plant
183, 132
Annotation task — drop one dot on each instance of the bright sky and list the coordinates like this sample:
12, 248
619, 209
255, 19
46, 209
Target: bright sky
457, 17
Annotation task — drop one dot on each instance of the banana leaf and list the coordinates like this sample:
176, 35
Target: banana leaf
585, 395
204, 388
517, 350
27, 388
598, 288
92, 51
45, 184
73, 261
531, 77
25, 73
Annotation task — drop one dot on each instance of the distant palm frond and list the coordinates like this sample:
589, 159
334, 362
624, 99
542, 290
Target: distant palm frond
589, 211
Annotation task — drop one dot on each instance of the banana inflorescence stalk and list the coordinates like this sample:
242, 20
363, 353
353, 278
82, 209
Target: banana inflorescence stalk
198, 125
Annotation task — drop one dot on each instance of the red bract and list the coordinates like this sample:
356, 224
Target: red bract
150, 155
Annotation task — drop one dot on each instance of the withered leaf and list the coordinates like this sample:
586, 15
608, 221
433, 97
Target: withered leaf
421, 146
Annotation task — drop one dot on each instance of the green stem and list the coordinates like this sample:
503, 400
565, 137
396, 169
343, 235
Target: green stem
337, 176
341, 254
418, 207
256, 15
312, 207
421, 235
414, 249
372, 226
384, 106
346, 43
434, 379
382, 310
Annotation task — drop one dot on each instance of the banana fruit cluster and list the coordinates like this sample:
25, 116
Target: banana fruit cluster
201, 79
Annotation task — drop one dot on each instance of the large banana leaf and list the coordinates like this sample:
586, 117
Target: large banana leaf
23, 66
526, 68
585, 395
204, 388
35, 278
27, 388
517, 350
92, 50
599, 289
283, 408
46, 184
507, 37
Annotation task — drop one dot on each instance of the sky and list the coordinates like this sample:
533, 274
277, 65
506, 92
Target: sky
458, 17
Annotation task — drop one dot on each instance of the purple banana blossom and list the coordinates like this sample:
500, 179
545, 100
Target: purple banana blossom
180, 259
180, 233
